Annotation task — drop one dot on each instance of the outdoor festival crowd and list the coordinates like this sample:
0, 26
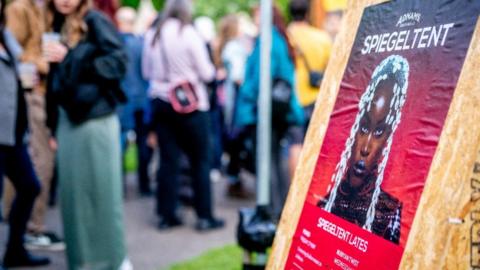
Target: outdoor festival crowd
80, 82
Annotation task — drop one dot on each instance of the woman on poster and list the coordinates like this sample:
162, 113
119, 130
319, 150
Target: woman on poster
355, 193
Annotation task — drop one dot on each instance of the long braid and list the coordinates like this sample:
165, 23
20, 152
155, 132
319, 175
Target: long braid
398, 67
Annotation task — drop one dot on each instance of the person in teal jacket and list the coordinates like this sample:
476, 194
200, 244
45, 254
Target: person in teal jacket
282, 67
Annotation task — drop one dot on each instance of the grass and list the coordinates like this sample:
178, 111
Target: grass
130, 159
225, 258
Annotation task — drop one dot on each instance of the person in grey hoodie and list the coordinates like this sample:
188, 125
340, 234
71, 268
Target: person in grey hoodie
14, 158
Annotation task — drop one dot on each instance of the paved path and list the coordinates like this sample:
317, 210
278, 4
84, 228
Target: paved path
150, 249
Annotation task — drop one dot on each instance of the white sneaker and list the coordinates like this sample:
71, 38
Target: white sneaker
215, 175
44, 241
126, 265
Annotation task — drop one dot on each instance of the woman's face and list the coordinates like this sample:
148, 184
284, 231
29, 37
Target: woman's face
371, 137
66, 7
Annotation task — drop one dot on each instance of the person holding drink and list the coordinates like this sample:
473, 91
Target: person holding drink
33, 70
14, 158
83, 94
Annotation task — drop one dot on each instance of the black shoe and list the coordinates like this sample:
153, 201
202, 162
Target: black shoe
146, 193
168, 223
23, 258
207, 224
238, 191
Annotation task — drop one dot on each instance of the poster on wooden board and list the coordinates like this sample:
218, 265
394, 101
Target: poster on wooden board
382, 135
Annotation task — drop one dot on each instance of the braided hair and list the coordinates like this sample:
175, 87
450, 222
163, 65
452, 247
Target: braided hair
394, 68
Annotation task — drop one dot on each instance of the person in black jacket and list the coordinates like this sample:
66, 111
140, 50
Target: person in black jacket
84, 90
14, 158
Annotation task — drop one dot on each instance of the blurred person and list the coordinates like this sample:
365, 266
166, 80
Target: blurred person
146, 14
333, 22
282, 71
206, 28
28, 32
108, 7
334, 13
133, 113
231, 55
84, 90
14, 158
247, 27
312, 47
175, 54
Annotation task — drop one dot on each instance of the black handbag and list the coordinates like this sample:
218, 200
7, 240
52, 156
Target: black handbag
314, 77
282, 92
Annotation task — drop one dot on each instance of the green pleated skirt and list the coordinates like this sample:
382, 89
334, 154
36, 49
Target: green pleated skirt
90, 190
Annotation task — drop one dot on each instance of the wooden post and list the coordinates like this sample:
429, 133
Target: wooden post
444, 233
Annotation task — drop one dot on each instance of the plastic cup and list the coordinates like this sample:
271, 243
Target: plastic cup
51, 37
47, 38
28, 75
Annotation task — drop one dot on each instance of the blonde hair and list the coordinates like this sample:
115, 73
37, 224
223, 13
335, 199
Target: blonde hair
74, 28
228, 30
393, 67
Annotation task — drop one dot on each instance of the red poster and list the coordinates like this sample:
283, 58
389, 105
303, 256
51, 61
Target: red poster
382, 134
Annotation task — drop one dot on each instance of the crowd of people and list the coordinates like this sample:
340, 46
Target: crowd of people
76, 81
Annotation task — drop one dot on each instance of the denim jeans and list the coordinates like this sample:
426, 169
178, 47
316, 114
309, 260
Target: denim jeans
16, 164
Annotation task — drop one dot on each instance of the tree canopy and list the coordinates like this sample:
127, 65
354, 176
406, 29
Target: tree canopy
214, 9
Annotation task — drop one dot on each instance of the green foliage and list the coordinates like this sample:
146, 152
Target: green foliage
219, 8
157, 4
214, 9
131, 3
130, 159
226, 258
283, 5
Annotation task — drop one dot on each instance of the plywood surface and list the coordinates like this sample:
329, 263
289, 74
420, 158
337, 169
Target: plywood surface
438, 238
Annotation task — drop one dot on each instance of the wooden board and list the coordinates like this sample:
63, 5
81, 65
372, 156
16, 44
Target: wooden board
451, 194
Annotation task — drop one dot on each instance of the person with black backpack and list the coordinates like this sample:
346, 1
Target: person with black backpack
287, 114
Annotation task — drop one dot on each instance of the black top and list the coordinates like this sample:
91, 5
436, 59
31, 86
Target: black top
87, 83
353, 207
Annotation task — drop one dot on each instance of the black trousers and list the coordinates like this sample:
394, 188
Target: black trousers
187, 132
16, 164
279, 181
144, 151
